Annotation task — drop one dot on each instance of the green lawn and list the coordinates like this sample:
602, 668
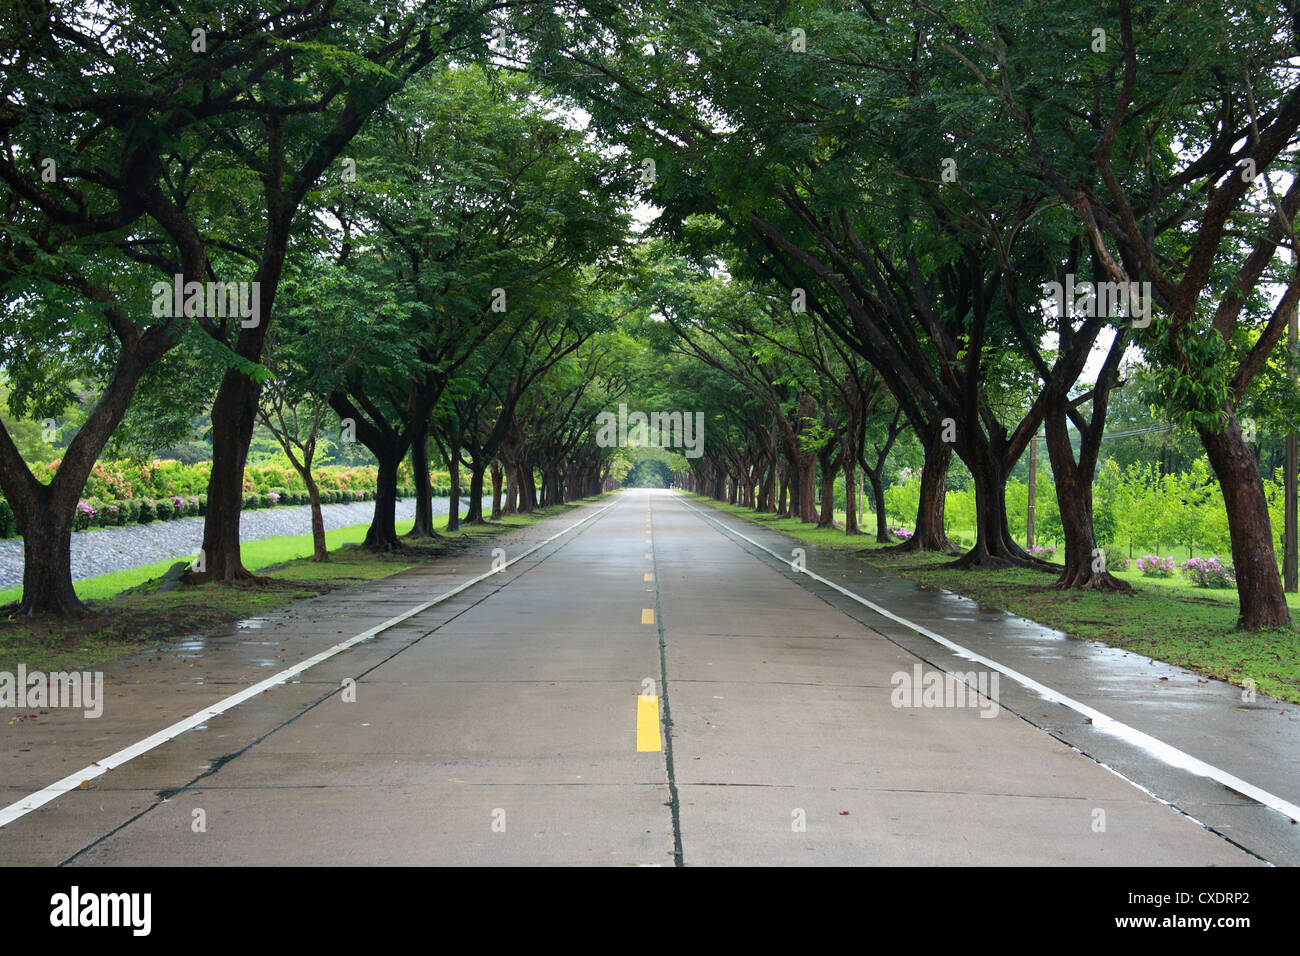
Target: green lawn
1168, 619
126, 620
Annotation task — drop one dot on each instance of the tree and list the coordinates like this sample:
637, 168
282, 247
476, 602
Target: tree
328, 321
496, 223
325, 73
1170, 144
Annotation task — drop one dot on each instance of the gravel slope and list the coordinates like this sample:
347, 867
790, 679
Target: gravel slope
99, 551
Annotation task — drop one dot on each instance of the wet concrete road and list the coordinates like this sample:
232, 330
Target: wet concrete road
526, 720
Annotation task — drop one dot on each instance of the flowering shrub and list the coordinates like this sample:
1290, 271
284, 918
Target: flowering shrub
1046, 552
105, 482
1117, 562
164, 478
900, 533
1154, 566
1209, 573
121, 493
85, 514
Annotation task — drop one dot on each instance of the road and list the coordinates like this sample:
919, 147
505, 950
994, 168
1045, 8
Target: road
644, 689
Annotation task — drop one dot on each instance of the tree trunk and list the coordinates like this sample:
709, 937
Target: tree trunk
47, 564
807, 488
234, 412
767, 487
1084, 569
929, 533
474, 511
423, 526
882, 520
1260, 597
827, 517
527, 489
382, 534
795, 475
850, 496
496, 491
319, 551
453, 501
512, 488
994, 546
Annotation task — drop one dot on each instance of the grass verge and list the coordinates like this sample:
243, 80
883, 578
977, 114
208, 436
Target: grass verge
129, 614
1167, 619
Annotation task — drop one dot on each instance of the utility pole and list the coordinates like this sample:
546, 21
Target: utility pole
1033, 491
1289, 563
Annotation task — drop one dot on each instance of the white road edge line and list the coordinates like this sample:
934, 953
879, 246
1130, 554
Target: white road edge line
1153, 745
74, 780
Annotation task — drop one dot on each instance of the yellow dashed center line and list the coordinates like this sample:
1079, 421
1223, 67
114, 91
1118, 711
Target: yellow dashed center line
648, 735
647, 724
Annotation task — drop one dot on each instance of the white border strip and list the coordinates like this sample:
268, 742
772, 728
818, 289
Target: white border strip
74, 780
1156, 747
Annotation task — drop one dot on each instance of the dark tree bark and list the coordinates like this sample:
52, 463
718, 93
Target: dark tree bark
47, 567
453, 503
929, 533
994, 546
766, 487
878, 501
423, 526
319, 551
850, 492
512, 488
382, 533
1083, 569
234, 413
496, 490
1259, 585
527, 489
474, 511
826, 519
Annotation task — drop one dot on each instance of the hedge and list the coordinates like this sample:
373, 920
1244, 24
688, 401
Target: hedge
265, 486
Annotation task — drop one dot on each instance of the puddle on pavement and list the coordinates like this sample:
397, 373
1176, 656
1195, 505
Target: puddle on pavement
192, 646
